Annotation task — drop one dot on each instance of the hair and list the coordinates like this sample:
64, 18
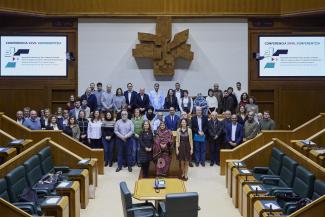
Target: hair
230, 88
106, 119
52, 116
180, 122
99, 84
82, 112
241, 96
168, 92
77, 99
185, 91
210, 90
75, 120
147, 121
129, 83
118, 90
93, 116
238, 82
26, 108
266, 111
177, 83
251, 97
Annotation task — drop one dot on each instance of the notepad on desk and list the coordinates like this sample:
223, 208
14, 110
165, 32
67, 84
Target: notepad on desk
16, 142
63, 184
53, 200
245, 171
308, 142
274, 206
84, 161
256, 187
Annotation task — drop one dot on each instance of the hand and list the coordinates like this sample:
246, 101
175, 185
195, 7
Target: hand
177, 152
108, 137
216, 137
163, 145
201, 133
136, 135
89, 141
244, 139
129, 107
233, 144
83, 136
191, 151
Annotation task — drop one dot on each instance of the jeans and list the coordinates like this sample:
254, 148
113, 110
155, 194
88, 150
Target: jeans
135, 150
124, 152
214, 151
108, 149
199, 151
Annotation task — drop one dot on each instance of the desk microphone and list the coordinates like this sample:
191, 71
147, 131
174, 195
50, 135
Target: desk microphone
156, 185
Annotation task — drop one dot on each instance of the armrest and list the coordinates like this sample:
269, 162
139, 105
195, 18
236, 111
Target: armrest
271, 180
28, 207
268, 176
141, 208
260, 170
42, 192
64, 169
162, 207
278, 190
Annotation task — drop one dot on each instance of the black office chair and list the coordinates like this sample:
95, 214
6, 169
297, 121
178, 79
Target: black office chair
319, 189
180, 205
135, 210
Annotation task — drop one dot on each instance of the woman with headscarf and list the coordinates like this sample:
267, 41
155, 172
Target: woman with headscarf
201, 102
162, 150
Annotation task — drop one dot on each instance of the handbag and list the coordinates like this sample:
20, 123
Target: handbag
198, 138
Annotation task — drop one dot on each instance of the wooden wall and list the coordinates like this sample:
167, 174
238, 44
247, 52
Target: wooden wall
15, 93
292, 101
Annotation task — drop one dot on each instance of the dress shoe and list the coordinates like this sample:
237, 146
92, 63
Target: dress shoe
197, 164
203, 164
130, 169
190, 164
110, 164
106, 163
211, 163
118, 169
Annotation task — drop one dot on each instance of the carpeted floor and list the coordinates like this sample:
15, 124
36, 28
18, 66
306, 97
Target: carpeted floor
213, 197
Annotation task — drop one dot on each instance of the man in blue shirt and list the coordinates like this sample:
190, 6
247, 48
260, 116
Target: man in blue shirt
33, 122
157, 98
171, 120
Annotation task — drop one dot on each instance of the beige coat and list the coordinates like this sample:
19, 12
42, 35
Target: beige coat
178, 137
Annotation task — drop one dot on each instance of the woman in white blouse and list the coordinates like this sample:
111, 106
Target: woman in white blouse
94, 131
212, 101
186, 103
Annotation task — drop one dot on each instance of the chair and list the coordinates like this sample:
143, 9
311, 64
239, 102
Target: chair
180, 205
319, 189
274, 167
47, 165
287, 174
135, 210
16, 183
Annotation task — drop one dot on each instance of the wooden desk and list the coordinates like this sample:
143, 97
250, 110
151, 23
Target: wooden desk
243, 180
144, 189
59, 209
23, 145
91, 166
7, 153
236, 174
82, 177
318, 156
259, 207
248, 198
72, 190
273, 214
230, 165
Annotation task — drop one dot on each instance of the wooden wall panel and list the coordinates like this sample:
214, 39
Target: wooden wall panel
293, 7
292, 101
38, 92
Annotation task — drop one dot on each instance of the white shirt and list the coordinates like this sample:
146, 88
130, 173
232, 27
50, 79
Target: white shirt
199, 122
55, 126
129, 96
156, 124
212, 101
20, 121
94, 130
233, 132
178, 94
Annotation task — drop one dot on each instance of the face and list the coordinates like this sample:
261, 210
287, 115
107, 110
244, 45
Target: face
170, 92
210, 93
72, 121
77, 104
59, 111
234, 119
228, 115
84, 102
99, 87
136, 113
198, 111
19, 115
184, 115
124, 115
33, 115
26, 112
92, 86
47, 113
216, 86
245, 96
259, 116
96, 114
88, 91
109, 88
185, 94
238, 85
108, 115
225, 94
65, 114
119, 92
53, 120
141, 91
150, 111
130, 86
72, 98
177, 86
162, 125
242, 109
266, 115
146, 125
183, 123
250, 116
229, 91
160, 116
81, 114
251, 100
171, 110
156, 86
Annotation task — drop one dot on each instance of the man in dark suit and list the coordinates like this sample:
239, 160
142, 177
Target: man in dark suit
228, 103
171, 120
130, 98
91, 99
20, 117
142, 101
199, 128
234, 133
178, 92
215, 135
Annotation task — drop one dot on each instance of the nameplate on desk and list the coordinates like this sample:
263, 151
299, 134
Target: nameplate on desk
53, 200
64, 184
84, 161
239, 164
256, 187
17, 142
274, 206
307, 142
245, 171
3, 149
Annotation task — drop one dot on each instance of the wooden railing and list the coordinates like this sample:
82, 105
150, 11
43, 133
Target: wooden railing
21, 132
9, 210
304, 131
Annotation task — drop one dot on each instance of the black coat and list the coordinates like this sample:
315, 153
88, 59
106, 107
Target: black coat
132, 103
145, 141
228, 103
195, 125
171, 103
139, 103
215, 128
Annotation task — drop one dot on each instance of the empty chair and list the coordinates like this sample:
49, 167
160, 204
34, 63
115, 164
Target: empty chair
319, 189
47, 165
274, 166
287, 174
180, 205
3, 190
134, 210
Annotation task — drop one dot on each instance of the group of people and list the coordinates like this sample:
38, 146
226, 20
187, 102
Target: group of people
148, 127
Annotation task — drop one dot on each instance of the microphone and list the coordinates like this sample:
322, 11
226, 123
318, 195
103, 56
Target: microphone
256, 192
156, 185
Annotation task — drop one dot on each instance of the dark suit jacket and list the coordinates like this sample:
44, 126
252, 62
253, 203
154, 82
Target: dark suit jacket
42, 120
182, 92
139, 103
91, 101
239, 133
171, 125
132, 102
215, 129
195, 125
48, 127
171, 103
228, 104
